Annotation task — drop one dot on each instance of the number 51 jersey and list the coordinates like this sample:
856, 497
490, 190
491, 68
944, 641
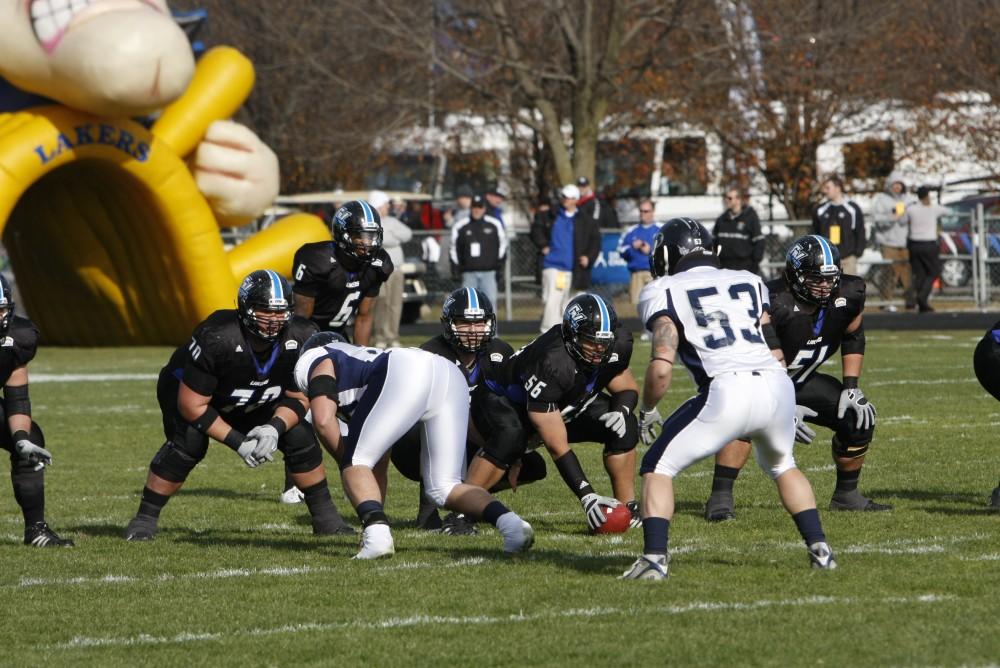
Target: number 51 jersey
717, 314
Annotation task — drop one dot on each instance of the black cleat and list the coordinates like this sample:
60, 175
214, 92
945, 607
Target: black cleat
456, 524
428, 518
141, 528
332, 526
995, 499
855, 501
719, 507
40, 535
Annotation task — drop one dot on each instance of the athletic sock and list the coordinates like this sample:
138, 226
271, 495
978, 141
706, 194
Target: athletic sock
317, 498
809, 526
152, 503
724, 478
371, 512
29, 492
847, 481
493, 511
655, 535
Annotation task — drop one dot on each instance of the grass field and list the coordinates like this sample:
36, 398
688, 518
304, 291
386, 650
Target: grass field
235, 578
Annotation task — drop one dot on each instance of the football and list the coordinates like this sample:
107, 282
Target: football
618, 519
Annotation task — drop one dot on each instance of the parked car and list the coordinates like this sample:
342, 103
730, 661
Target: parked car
957, 234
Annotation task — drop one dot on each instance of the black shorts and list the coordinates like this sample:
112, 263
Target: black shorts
822, 394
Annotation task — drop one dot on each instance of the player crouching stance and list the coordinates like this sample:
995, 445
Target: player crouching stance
711, 318
233, 382
385, 393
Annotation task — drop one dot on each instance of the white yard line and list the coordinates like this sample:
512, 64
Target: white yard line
89, 377
419, 620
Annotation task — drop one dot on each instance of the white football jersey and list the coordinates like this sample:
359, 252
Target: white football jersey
717, 313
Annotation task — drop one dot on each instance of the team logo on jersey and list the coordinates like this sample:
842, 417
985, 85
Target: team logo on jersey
353, 284
291, 345
839, 301
613, 358
496, 357
7, 342
239, 348
376, 263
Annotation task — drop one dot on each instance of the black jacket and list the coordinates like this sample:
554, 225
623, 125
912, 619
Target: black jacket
843, 224
739, 239
478, 244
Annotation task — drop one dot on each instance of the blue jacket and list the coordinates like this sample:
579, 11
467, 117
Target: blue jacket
561, 254
637, 260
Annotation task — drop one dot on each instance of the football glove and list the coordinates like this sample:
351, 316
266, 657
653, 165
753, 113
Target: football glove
267, 442
803, 432
33, 455
592, 506
615, 421
245, 451
648, 421
864, 411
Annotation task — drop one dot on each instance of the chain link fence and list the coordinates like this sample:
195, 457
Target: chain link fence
970, 260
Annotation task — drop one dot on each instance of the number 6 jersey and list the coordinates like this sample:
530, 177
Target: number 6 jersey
717, 314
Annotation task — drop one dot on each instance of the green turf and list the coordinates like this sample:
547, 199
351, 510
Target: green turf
235, 578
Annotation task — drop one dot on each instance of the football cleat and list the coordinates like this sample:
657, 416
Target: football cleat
40, 535
821, 556
518, 536
456, 524
292, 495
855, 501
141, 528
645, 568
428, 518
633, 508
376, 542
995, 499
719, 507
332, 526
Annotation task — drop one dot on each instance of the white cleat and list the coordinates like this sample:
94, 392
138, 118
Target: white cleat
645, 568
821, 556
518, 536
376, 542
292, 495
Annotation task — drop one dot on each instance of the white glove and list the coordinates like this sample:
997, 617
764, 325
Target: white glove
855, 399
615, 421
267, 442
803, 433
648, 421
245, 451
592, 506
32, 454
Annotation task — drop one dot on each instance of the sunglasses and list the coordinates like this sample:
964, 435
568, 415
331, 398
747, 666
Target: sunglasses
645, 211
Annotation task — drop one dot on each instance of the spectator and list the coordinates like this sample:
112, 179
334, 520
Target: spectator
891, 230
840, 220
592, 208
389, 309
541, 229
478, 247
925, 255
463, 198
635, 246
560, 258
737, 234
495, 199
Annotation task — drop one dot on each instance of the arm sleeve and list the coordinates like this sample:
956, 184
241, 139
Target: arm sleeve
26, 346
199, 366
308, 279
552, 381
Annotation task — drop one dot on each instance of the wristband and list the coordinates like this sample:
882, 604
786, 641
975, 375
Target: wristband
234, 439
20, 435
850, 382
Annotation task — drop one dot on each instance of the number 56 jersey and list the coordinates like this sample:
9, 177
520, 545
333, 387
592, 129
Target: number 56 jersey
717, 313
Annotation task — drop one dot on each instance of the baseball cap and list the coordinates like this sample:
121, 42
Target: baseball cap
583, 181
923, 191
464, 191
496, 191
478, 200
570, 192
377, 199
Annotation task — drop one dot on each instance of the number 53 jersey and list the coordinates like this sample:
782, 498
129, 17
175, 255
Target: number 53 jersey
717, 313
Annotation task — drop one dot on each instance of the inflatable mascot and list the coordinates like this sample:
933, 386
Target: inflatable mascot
112, 224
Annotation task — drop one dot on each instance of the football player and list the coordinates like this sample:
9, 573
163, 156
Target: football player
711, 319
23, 438
815, 309
570, 385
469, 341
337, 282
385, 393
986, 362
233, 382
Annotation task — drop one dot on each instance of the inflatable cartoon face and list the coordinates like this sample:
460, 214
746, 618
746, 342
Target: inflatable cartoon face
107, 57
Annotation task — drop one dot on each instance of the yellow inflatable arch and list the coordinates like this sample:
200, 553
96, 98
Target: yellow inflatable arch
110, 239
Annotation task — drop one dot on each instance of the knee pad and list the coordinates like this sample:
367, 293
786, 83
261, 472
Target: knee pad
532, 468
849, 448
35, 435
177, 458
616, 445
300, 448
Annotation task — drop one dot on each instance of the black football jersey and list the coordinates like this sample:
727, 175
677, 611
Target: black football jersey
809, 339
17, 347
544, 377
495, 355
244, 386
338, 292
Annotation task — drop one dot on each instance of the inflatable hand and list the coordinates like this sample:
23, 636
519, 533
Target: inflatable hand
112, 237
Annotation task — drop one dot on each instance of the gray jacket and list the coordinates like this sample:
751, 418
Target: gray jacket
394, 235
888, 214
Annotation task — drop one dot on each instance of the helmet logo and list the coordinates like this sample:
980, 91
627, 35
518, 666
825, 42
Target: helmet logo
576, 315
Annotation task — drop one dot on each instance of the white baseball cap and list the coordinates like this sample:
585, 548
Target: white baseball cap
570, 192
377, 199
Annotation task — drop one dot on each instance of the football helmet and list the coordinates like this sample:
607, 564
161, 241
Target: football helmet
588, 329
264, 303
321, 339
677, 238
470, 307
812, 269
357, 230
6, 304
